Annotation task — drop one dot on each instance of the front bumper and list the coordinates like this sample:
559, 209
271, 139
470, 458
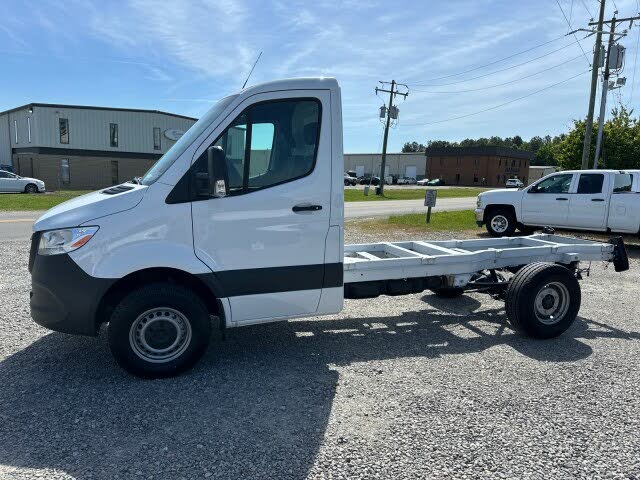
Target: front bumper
479, 216
63, 297
41, 188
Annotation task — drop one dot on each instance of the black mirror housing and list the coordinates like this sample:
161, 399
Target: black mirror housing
212, 182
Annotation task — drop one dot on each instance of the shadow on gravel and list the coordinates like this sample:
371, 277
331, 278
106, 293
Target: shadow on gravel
257, 406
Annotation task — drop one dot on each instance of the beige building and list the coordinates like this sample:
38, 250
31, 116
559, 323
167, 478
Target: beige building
398, 164
537, 172
82, 147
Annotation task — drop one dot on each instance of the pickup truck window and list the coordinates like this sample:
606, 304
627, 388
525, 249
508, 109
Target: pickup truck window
590, 183
622, 183
555, 184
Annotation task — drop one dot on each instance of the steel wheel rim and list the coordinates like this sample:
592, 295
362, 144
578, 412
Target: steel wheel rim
499, 223
551, 303
160, 335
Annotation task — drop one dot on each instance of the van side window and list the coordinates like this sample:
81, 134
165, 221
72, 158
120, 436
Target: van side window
554, 184
590, 183
622, 183
271, 143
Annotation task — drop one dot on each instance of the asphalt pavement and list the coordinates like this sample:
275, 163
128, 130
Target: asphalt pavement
17, 225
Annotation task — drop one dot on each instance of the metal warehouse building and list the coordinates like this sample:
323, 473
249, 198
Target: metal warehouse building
82, 147
398, 164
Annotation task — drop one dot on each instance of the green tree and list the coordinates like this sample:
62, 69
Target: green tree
411, 147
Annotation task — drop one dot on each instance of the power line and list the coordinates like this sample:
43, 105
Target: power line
495, 61
497, 106
574, 33
587, 8
412, 85
502, 84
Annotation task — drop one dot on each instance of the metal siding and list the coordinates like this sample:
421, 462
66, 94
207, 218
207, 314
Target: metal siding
5, 141
396, 162
89, 129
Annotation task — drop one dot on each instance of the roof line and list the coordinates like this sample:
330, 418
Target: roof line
91, 107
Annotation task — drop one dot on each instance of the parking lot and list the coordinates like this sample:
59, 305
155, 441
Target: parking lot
404, 387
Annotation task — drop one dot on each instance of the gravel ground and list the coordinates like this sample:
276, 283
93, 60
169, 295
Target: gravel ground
405, 387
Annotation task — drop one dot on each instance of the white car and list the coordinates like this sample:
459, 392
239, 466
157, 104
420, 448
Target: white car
406, 181
423, 182
514, 183
10, 182
596, 200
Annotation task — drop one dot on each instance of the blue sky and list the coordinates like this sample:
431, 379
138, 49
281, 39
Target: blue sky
182, 55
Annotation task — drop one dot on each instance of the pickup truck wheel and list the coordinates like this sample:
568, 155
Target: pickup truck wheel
543, 300
448, 292
501, 222
159, 330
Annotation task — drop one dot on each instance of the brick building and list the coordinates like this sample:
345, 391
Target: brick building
477, 166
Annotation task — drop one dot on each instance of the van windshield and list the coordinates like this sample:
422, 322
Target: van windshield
164, 162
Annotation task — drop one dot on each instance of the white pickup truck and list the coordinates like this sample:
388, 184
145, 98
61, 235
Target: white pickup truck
242, 219
598, 200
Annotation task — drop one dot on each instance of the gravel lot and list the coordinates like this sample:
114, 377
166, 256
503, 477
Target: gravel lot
405, 387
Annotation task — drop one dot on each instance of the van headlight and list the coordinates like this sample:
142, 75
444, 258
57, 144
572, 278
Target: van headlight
55, 242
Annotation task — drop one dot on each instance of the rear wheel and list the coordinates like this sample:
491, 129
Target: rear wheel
501, 222
543, 300
31, 188
159, 330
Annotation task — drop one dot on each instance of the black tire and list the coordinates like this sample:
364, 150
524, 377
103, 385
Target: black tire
30, 188
448, 292
179, 310
527, 230
543, 300
500, 222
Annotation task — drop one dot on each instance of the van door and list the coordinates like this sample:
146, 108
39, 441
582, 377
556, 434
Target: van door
547, 202
589, 201
265, 241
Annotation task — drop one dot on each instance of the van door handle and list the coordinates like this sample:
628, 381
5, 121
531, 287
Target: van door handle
306, 208
597, 199
562, 198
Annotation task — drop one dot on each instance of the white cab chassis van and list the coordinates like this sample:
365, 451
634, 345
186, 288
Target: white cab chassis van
243, 220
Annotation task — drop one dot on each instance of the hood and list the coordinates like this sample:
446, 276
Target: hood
91, 206
34, 180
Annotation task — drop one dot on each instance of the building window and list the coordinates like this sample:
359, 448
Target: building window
156, 139
114, 172
15, 130
513, 162
113, 134
29, 129
475, 178
65, 177
63, 124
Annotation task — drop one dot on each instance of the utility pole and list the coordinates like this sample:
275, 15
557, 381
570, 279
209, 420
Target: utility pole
586, 147
605, 81
392, 93
605, 87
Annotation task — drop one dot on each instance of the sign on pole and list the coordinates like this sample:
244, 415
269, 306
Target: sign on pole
430, 201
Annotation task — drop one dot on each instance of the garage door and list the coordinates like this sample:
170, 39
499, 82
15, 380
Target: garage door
410, 171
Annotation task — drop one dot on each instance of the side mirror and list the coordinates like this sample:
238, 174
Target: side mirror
213, 182
217, 169
533, 189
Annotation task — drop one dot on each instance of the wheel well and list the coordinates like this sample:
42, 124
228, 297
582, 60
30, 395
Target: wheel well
492, 208
134, 280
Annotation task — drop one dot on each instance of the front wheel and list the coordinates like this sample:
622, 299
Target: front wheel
501, 222
159, 330
31, 188
543, 300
